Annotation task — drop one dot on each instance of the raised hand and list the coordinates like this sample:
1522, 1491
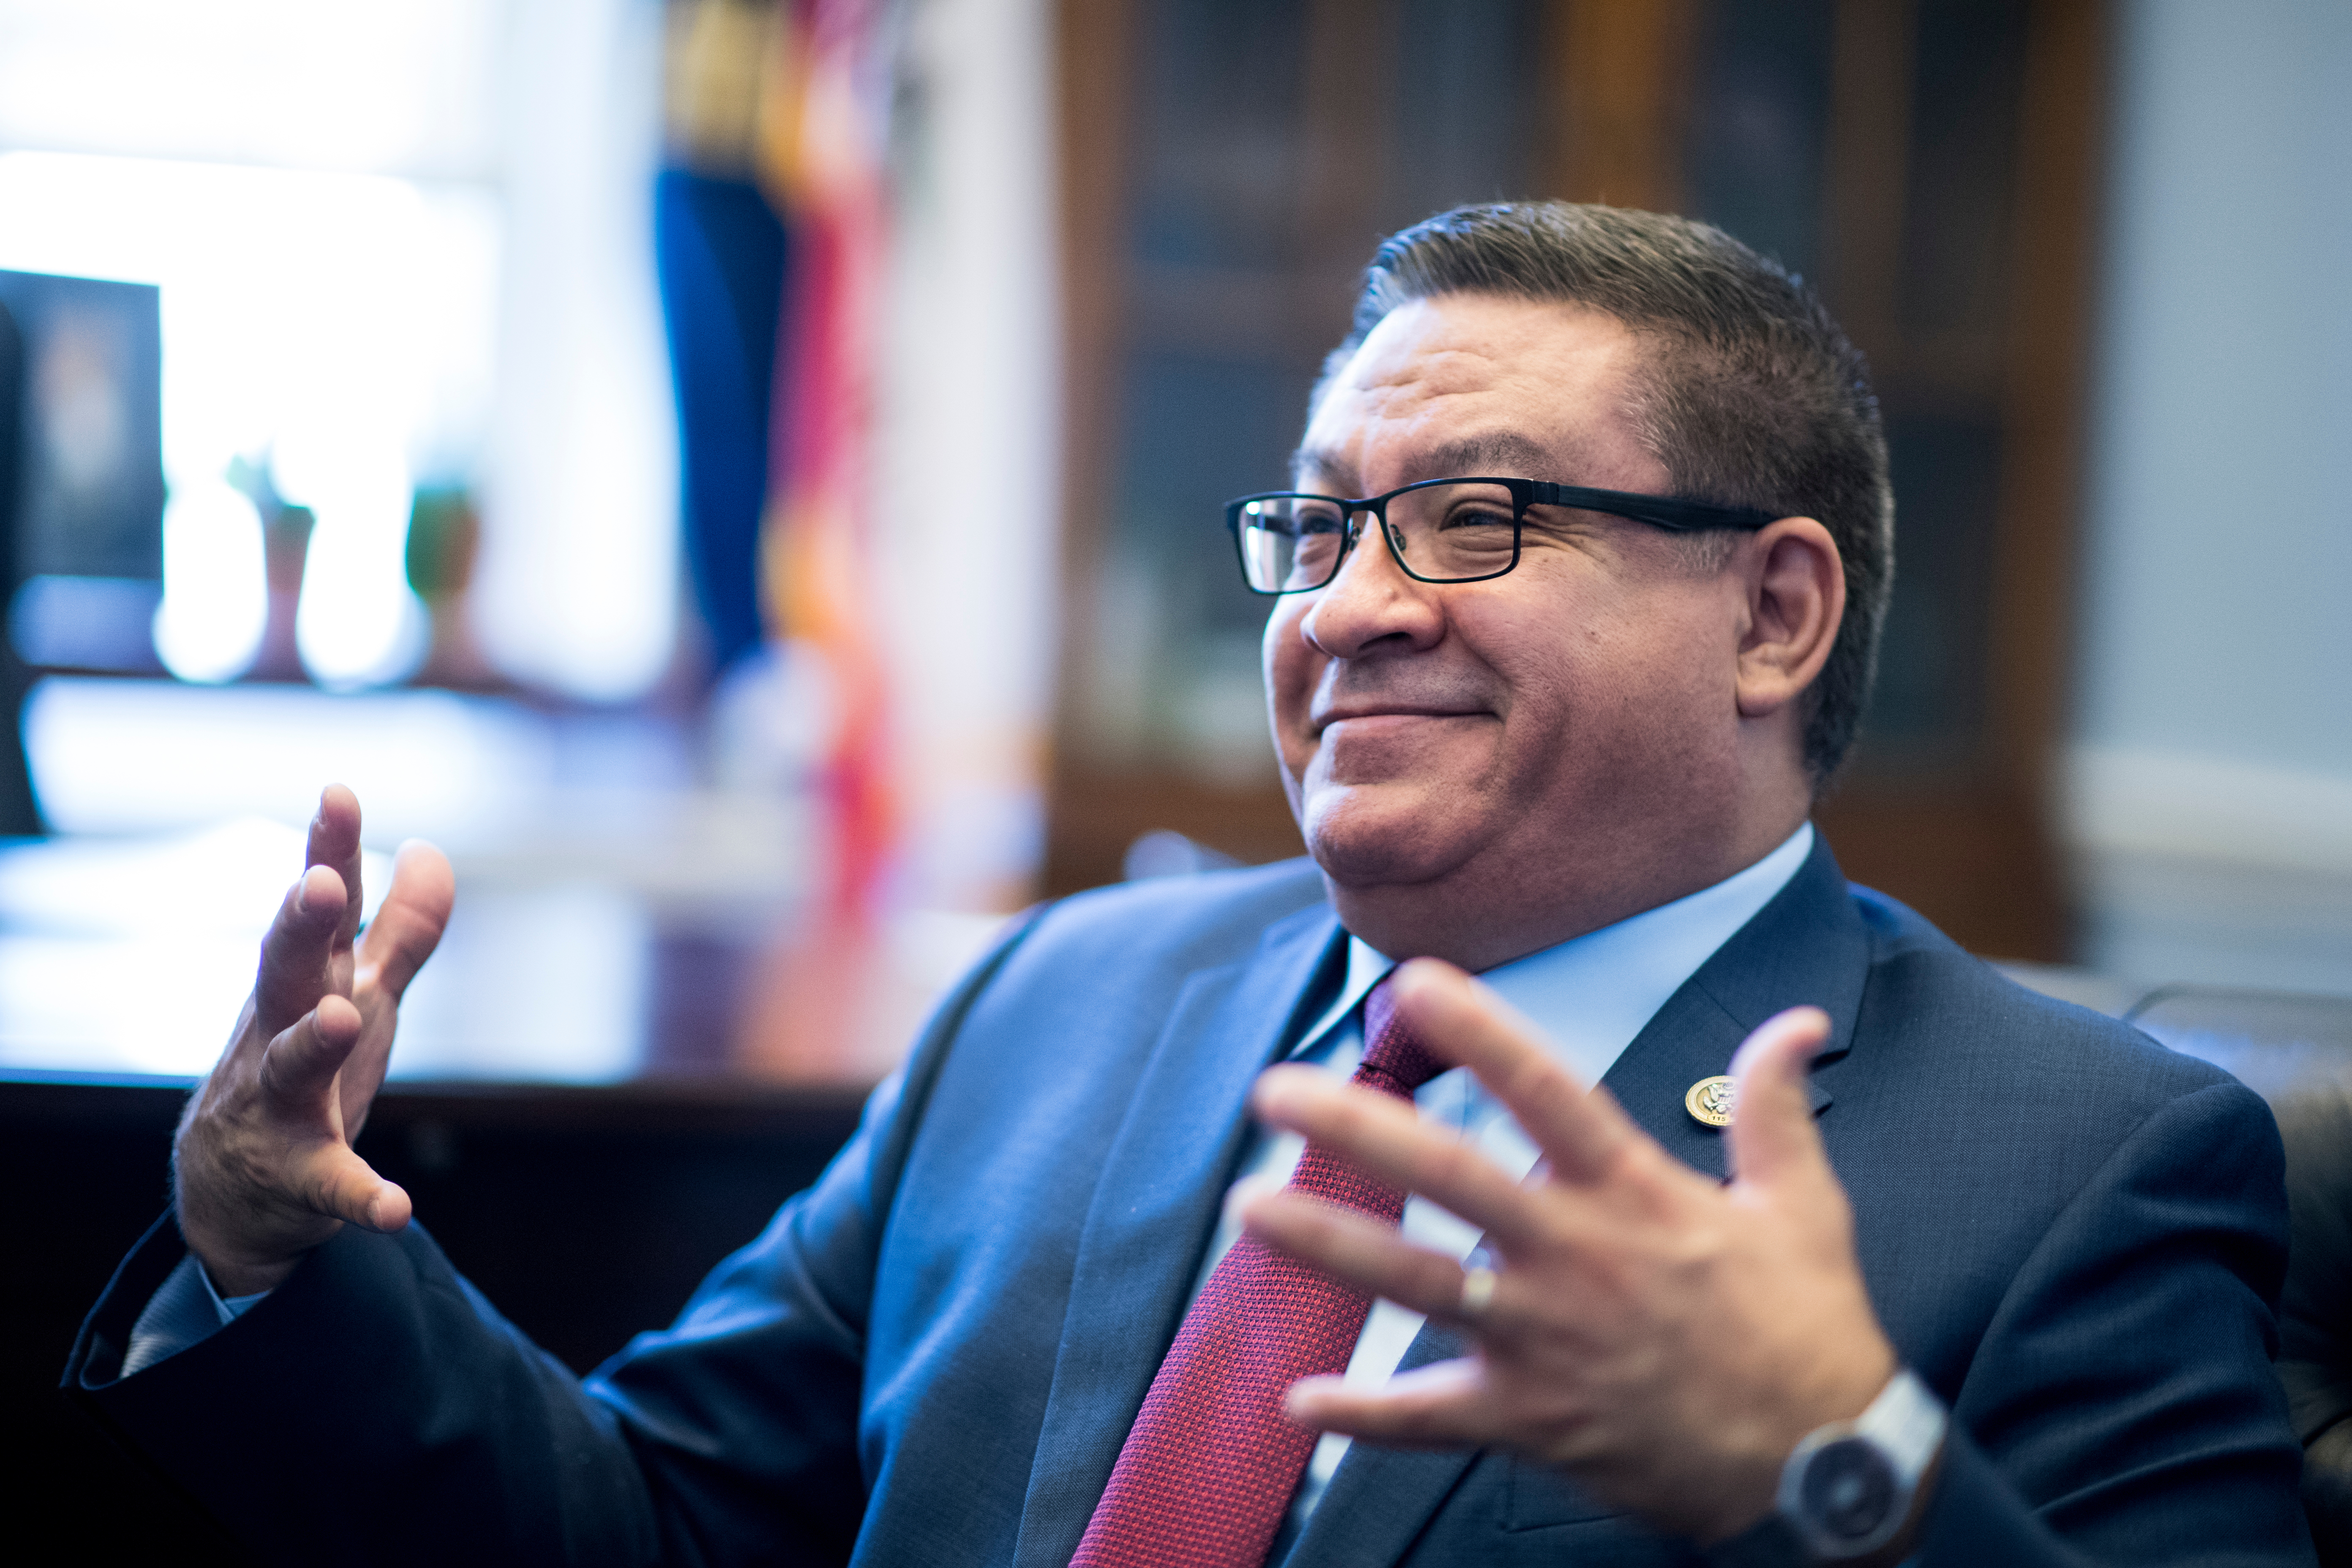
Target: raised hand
263, 1163
1666, 1339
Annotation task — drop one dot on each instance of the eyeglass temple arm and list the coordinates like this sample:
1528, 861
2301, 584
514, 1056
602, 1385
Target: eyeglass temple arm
1658, 511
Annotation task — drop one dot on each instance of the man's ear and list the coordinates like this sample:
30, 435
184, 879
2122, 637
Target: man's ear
1795, 584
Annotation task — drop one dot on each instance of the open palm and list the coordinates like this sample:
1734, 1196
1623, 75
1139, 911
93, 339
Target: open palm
265, 1167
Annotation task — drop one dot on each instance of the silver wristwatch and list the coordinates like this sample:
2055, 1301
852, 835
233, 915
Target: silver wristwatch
1848, 1486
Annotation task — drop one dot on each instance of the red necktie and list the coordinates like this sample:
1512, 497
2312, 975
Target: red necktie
1211, 1463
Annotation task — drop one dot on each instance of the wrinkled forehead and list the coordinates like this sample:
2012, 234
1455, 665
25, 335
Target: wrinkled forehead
1478, 384
1508, 453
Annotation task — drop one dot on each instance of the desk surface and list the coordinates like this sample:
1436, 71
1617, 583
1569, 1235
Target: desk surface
129, 959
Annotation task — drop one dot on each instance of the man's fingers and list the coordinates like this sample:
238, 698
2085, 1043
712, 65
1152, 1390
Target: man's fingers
300, 1063
1382, 1135
1579, 1131
416, 910
335, 843
339, 1182
1773, 1132
1355, 1249
294, 957
1440, 1405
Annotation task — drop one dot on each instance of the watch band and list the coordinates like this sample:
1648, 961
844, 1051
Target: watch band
1848, 1486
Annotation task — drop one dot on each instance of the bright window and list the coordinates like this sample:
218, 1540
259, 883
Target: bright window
396, 245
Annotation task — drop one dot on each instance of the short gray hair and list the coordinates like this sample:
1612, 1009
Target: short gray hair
1751, 395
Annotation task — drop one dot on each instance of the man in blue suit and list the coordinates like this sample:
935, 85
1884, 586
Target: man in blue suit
1575, 599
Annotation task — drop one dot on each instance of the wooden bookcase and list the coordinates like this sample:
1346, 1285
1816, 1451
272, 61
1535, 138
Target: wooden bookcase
1933, 164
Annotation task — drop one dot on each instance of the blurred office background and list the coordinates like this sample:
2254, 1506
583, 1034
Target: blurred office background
721, 470
491, 494
2087, 249
745, 478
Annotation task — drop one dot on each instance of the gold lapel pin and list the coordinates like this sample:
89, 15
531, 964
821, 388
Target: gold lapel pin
1712, 1100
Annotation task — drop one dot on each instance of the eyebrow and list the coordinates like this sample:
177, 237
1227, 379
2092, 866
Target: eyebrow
1503, 453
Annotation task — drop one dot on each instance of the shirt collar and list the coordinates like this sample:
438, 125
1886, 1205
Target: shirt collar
1591, 994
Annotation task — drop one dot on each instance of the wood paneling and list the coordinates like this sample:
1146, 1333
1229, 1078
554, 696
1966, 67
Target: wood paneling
1870, 124
1959, 158
1098, 814
2047, 392
1623, 73
1094, 40
1964, 832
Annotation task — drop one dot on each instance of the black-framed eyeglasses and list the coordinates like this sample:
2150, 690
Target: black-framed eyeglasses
1440, 531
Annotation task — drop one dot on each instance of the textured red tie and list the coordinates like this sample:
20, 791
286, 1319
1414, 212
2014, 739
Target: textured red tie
1211, 1463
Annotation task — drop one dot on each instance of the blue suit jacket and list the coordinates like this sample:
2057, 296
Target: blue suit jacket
933, 1355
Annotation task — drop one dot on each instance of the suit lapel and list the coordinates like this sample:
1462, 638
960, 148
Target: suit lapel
1808, 945
1152, 1212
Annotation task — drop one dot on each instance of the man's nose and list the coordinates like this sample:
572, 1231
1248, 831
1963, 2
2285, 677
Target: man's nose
1371, 601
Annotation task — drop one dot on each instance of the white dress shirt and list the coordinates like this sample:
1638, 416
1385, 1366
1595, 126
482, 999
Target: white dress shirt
1588, 997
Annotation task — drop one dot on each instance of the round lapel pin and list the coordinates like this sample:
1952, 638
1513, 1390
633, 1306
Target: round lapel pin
1712, 1100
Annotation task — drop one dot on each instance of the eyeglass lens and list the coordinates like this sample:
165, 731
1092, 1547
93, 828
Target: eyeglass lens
1441, 532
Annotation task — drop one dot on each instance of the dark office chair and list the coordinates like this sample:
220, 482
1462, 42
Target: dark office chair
2296, 1053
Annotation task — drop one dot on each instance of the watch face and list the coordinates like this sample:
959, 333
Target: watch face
1849, 1487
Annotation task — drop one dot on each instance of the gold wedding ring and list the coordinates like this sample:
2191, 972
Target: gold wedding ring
1477, 1292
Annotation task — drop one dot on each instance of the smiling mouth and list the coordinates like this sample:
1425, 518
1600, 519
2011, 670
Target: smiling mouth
1396, 715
